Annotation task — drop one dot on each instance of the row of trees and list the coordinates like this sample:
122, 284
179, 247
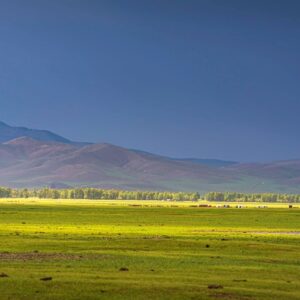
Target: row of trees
93, 193
242, 197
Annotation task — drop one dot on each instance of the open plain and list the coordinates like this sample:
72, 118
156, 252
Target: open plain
69, 249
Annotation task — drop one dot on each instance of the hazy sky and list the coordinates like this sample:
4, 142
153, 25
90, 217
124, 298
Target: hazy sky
185, 78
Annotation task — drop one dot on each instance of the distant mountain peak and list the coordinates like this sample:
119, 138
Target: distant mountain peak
2, 124
8, 133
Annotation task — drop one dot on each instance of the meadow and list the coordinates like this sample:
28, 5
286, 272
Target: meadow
88, 249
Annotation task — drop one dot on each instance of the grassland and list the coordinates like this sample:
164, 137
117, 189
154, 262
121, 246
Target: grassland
117, 250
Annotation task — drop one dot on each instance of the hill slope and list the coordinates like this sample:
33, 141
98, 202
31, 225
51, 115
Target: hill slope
27, 162
42, 158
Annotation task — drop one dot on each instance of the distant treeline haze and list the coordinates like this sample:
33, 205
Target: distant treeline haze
93, 193
241, 197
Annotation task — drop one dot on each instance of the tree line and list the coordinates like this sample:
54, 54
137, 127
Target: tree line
94, 193
243, 197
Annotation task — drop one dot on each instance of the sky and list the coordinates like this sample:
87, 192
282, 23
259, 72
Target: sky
205, 78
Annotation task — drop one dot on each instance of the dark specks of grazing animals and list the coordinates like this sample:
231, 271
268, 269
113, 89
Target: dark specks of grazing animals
124, 269
239, 280
46, 279
207, 246
215, 286
3, 275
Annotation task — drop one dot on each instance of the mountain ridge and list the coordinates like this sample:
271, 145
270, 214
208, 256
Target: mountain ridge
27, 161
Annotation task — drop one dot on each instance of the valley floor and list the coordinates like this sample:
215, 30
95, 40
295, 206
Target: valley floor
96, 250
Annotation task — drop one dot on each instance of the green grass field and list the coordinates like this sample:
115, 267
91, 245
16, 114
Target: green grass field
165, 252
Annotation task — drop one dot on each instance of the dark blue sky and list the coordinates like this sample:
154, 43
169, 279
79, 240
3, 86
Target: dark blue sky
187, 78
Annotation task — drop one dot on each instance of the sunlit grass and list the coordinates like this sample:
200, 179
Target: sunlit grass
144, 203
170, 252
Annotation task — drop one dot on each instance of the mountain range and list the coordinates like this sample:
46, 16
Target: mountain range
37, 158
